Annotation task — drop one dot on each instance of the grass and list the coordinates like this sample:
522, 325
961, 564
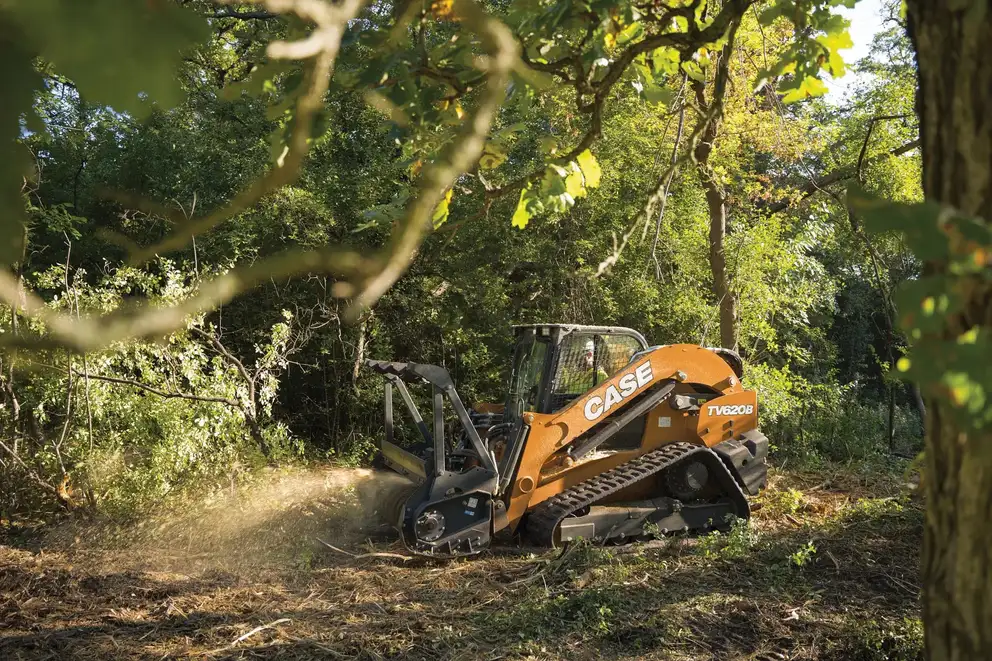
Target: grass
827, 569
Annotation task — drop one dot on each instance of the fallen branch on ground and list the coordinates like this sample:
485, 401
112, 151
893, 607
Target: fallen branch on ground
243, 637
359, 556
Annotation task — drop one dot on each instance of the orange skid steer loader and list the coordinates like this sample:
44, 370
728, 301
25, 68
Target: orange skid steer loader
600, 437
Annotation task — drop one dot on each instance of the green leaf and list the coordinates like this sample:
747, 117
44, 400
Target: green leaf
693, 71
492, 156
768, 16
441, 210
521, 216
924, 304
262, 79
367, 225
590, 168
665, 60
965, 392
656, 94
13, 219
116, 52
970, 240
809, 87
956, 371
510, 130
631, 32
553, 181
574, 185
971, 229
833, 43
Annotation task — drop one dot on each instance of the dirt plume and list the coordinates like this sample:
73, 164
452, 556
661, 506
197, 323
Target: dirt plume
276, 519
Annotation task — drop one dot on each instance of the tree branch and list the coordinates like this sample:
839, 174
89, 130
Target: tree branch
840, 174
457, 158
708, 116
244, 15
591, 135
221, 349
687, 41
366, 277
30, 471
668, 183
871, 127
164, 394
656, 196
690, 40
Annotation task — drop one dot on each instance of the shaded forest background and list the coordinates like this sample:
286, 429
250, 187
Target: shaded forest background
275, 376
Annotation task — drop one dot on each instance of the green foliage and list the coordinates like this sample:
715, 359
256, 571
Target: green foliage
441, 211
835, 424
775, 391
883, 641
808, 300
733, 545
803, 555
820, 35
95, 44
125, 447
945, 356
873, 508
558, 189
586, 612
784, 501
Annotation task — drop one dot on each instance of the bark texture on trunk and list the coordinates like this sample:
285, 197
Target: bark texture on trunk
952, 39
356, 368
727, 299
716, 202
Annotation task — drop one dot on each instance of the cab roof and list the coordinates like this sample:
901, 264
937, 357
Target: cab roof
565, 329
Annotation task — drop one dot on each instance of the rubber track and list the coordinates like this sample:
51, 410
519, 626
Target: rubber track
543, 520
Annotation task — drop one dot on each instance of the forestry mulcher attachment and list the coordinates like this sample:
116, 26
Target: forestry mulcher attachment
600, 437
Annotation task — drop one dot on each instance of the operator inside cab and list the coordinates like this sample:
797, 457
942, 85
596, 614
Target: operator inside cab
589, 373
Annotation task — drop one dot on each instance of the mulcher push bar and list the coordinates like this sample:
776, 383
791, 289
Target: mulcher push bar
399, 374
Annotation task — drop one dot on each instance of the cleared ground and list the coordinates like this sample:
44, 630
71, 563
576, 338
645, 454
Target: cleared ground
827, 570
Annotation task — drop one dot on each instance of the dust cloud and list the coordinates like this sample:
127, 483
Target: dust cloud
274, 520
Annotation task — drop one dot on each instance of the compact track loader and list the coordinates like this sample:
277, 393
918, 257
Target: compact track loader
601, 437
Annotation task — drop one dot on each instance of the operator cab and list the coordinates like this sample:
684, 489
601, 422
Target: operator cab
553, 364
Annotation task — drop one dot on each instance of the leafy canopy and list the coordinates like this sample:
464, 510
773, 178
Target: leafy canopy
441, 75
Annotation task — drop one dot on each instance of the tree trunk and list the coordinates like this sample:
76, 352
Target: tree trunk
716, 202
921, 408
891, 432
356, 368
951, 38
727, 300
255, 430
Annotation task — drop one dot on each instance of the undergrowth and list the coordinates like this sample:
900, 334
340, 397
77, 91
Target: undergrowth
825, 570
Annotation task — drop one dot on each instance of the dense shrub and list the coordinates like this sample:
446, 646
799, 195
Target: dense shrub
118, 431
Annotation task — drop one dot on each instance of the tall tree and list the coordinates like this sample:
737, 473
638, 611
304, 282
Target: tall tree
716, 196
955, 105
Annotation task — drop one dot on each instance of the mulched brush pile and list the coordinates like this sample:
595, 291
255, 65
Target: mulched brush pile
827, 570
